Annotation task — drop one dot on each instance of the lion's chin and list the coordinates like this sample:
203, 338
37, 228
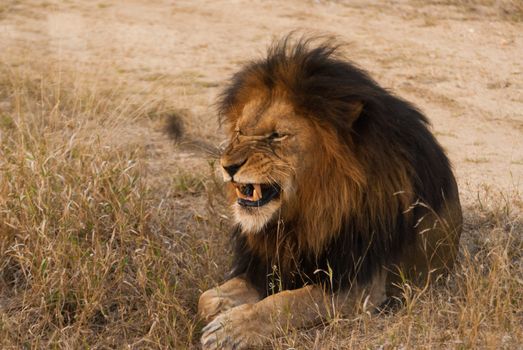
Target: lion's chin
253, 219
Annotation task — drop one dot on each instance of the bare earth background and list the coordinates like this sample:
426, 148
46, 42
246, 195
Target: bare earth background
97, 81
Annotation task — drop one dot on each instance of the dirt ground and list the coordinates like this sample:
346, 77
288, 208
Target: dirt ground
462, 67
459, 62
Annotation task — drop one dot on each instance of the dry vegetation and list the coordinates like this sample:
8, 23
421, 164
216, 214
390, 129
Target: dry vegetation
89, 254
101, 249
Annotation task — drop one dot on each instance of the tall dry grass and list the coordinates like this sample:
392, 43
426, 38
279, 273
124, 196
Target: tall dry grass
95, 252
90, 254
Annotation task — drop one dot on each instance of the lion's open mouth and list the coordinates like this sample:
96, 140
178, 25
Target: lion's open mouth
256, 195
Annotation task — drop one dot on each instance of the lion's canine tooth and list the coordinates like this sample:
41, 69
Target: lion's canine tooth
257, 193
238, 193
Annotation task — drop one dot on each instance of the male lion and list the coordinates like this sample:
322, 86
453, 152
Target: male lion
339, 192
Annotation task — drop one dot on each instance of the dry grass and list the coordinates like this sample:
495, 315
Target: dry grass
90, 254
94, 253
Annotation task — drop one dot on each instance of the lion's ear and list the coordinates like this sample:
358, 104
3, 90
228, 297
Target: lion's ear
355, 111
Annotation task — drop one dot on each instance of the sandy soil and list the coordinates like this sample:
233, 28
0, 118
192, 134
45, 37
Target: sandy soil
462, 68
465, 73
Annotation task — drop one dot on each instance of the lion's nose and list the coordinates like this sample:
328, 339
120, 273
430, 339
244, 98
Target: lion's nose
233, 169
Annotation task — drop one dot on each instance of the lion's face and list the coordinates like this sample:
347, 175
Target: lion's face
266, 162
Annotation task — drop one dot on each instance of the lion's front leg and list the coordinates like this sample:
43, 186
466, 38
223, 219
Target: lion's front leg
252, 325
235, 292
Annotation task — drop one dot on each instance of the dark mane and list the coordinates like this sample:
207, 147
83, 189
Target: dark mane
398, 163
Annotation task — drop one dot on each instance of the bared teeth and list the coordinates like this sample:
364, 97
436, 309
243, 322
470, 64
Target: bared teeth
257, 193
238, 193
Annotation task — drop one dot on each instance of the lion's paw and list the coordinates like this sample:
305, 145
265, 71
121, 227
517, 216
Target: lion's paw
212, 303
237, 328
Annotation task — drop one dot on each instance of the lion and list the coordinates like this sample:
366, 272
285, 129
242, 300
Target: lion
339, 191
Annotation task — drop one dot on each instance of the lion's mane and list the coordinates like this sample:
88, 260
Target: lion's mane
380, 171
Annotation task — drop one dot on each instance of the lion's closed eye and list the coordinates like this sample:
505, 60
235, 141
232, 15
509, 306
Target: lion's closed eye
277, 136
